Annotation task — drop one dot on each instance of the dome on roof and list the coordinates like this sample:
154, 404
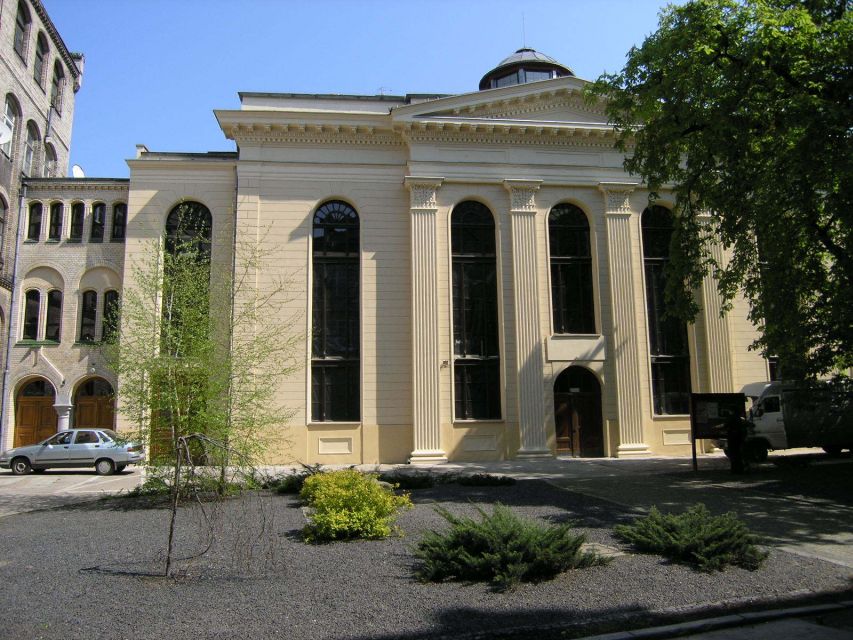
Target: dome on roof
525, 65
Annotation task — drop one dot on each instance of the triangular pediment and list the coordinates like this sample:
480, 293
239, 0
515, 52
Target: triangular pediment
558, 101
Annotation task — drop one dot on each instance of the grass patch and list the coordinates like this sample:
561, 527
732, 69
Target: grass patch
696, 538
500, 548
349, 504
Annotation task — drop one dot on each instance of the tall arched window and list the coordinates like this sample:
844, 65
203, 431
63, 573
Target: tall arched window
54, 231
34, 226
53, 321
32, 302
31, 148
476, 364
119, 221
189, 226
75, 233
11, 115
87, 316
668, 347
99, 220
335, 334
571, 270
56, 87
4, 211
22, 30
41, 56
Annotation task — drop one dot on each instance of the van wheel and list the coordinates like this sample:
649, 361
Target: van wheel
105, 467
832, 451
757, 451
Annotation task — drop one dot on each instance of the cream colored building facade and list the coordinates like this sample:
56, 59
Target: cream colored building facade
425, 227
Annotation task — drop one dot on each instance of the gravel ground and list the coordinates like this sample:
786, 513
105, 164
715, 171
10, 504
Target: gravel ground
86, 572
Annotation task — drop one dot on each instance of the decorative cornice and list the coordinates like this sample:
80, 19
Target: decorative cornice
311, 134
56, 186
423, 191
571, 99
617, 197
522, 194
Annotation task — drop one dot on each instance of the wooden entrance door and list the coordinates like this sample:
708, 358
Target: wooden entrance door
94, 405
35, 417
577, 414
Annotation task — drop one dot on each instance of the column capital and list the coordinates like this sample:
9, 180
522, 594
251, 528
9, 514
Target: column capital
423, 190
522, 194
616, 197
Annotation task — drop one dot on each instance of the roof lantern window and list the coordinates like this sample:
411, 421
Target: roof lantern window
525, 65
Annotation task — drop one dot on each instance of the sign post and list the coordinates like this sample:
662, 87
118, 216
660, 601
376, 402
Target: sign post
709, 414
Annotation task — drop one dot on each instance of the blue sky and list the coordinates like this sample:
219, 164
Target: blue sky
156, 69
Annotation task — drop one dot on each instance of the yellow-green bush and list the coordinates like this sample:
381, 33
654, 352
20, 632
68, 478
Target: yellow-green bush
348, 504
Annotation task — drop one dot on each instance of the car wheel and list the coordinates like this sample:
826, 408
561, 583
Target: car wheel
757, 451
21, 466
120, 468
105, 467
833, 451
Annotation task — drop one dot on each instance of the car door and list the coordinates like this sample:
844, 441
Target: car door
54, 452
86, 446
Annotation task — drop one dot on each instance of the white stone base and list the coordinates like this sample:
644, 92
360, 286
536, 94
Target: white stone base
638, 449
428, 457
534, 453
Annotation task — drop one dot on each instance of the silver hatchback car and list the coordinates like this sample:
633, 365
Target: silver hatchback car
102, 449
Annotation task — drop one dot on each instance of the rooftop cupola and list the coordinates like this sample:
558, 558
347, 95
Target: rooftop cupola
525, 65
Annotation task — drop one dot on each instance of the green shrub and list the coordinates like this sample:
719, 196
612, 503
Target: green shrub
500, 548
695, 537
349, 504
409, 481
484, 480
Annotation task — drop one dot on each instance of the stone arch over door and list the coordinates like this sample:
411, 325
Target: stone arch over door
35, 415
577, 414
94, 405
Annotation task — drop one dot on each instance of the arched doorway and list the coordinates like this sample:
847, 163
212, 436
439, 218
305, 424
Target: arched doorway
35, 417
94, 405
577, 414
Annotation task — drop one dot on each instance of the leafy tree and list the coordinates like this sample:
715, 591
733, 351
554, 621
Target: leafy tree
743, 109
200, 356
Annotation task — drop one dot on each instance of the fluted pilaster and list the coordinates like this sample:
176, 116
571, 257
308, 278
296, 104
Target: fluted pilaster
626, 342
426, 359
717, 330
529, 357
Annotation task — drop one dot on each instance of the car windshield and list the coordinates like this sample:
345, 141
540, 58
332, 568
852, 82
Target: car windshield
60, 438
112, 435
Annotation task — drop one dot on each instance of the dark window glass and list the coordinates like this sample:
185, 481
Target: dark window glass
475, 313
55, 229
87, 317
571, 270
119, 221
668, 346
22, 29
109, 321
533, 76
335, 334
53, 322
31, 314
56, 87
39, 389
99, 219
189, 227
38, 64
77, 212
34, 228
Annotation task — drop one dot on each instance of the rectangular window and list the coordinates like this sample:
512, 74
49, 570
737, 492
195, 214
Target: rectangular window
55, 229
572, 295
477, 389
109, 321
31, 314
34, 227
334, 391
54, 316
119, 222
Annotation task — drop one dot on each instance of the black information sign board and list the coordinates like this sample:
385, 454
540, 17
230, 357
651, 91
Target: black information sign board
709, 413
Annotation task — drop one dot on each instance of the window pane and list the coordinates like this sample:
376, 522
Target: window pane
76, 231
54, 316
31, 315
109, 321
334, 391
87, 318
34, 228
119, 221
55, 230
477, 389
671, 384
99, 216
